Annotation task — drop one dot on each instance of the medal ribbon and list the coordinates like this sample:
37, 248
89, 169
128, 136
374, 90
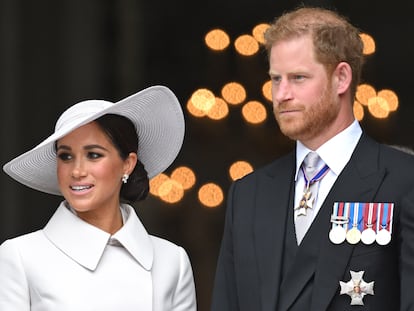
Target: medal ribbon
390, 216
340, 213
355, 212
370, 209
315, 178
346, 215
385, 216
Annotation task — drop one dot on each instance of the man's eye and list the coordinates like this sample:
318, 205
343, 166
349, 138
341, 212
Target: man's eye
299, 77
276, 79
64, 156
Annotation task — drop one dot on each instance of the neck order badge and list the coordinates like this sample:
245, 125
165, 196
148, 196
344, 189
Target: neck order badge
308, 169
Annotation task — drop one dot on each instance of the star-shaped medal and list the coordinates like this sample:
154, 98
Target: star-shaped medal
305, 203
357, 288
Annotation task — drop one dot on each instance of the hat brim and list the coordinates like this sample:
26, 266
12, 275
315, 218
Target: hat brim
157, 115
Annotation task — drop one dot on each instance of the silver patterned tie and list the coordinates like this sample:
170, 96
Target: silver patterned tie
305, 211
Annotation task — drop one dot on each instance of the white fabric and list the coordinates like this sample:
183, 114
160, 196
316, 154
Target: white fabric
71, 265
336, 153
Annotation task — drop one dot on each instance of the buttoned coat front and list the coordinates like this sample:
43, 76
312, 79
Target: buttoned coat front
250, 272
73, 266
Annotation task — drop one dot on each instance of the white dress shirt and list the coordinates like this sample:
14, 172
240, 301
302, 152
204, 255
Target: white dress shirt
71, 265
336, 153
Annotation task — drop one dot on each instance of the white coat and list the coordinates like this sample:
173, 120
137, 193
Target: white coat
71, 265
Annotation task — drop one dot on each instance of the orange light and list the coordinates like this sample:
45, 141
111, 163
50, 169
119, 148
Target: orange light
217, 39
240, 169
246, 45
369, 44
203, 99
156, 182
267, 90
219, 111
185, 176
378, 107
358, 111
234, 93
390, 97
364, 93
258, 32
194, 110
171, 191
210, 195
254, 112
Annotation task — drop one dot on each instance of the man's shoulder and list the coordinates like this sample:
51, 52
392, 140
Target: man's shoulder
273, 168
396, 156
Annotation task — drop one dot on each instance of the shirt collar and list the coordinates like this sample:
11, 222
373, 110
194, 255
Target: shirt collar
336, 152
86, 244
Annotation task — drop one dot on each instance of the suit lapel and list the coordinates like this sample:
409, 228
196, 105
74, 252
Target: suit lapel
359, 182
319, 257
272, 204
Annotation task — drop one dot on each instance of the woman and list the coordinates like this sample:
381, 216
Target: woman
94, 253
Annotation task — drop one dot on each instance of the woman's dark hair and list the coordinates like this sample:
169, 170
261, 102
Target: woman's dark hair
123, 134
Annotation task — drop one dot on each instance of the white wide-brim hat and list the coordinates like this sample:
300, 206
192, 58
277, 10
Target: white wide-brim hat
156, 113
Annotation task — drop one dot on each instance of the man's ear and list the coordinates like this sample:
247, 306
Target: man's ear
343, 75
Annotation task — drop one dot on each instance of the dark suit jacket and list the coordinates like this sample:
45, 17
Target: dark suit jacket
249, 273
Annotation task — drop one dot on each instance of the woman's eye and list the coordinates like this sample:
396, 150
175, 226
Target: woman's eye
94, 155
64, 156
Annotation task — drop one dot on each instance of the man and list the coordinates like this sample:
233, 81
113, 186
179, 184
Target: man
341, 237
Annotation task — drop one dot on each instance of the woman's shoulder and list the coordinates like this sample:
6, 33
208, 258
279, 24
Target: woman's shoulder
167, 250
24, 239
23, 244
165, 245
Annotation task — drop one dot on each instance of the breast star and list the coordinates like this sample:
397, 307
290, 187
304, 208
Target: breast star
357, 288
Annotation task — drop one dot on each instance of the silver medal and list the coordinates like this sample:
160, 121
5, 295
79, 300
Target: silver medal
383, 237
368, 236
337, 234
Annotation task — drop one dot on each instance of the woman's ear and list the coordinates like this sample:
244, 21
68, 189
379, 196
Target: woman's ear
343, 74
130, 162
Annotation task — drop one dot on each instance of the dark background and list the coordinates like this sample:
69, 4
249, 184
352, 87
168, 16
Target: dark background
56, 53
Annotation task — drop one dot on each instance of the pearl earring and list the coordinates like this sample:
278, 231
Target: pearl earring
125, 178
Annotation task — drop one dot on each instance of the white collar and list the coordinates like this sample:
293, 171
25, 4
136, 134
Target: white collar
336, 152
85, 243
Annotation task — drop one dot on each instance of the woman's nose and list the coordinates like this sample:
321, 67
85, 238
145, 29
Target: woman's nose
79, 169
